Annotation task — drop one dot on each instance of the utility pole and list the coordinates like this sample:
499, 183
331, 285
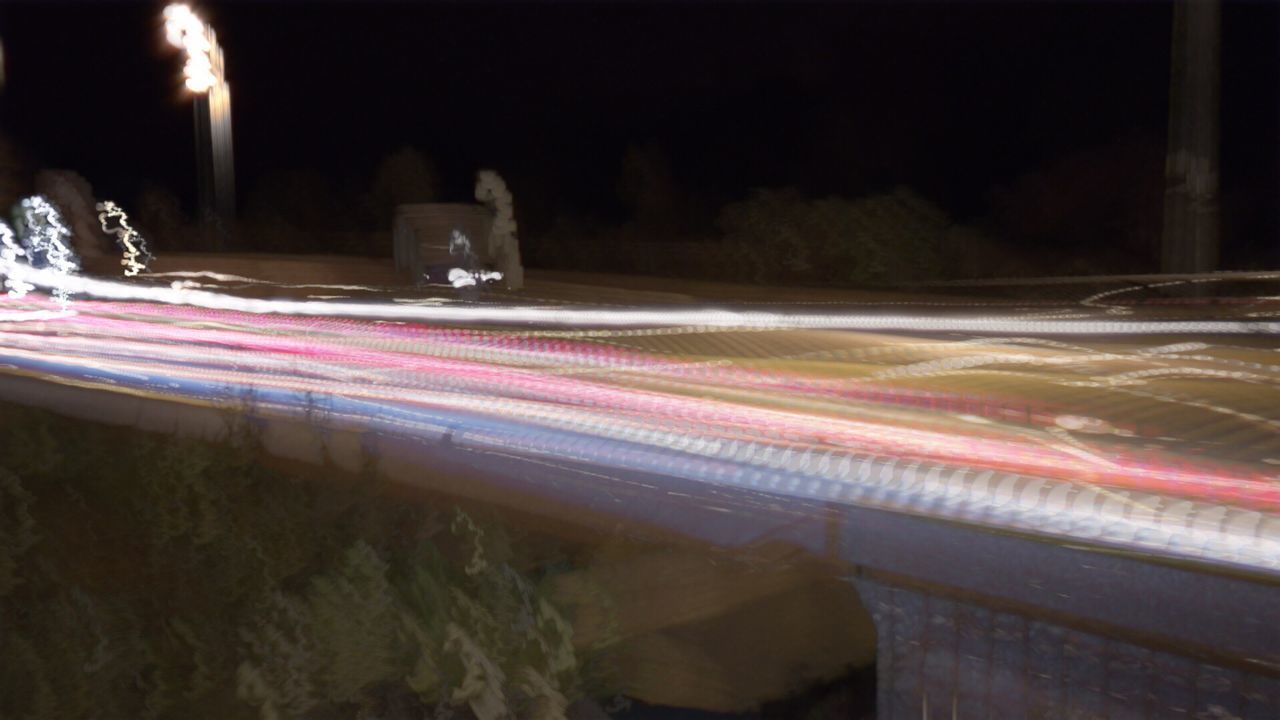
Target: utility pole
1190, 243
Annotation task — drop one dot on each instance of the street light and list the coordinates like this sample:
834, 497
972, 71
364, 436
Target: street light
205, 76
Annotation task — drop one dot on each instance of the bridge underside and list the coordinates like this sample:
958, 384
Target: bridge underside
940, 657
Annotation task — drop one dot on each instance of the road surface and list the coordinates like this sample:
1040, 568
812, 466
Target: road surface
1147, 429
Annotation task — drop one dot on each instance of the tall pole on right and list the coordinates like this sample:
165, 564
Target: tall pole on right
1192, 216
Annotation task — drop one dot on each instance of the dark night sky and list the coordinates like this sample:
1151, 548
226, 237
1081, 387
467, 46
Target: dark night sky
950, 99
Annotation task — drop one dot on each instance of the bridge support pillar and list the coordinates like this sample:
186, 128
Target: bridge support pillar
940, 658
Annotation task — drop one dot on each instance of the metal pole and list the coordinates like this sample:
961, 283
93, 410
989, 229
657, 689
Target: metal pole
206, 206
223, 153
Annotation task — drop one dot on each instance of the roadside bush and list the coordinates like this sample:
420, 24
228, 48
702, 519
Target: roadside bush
1095, 211
152, 577
404, 176
787, 238
780, 237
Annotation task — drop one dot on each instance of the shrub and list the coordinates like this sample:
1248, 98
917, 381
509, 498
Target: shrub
146, 576
787, 238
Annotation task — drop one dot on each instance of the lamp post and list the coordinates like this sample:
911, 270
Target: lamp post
205, 75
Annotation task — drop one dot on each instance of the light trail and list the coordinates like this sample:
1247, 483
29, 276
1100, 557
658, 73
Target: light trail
48, 245
131, 243
888, 429
521, 315
10, 253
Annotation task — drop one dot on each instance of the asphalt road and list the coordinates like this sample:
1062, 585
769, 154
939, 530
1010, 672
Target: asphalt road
1153, 428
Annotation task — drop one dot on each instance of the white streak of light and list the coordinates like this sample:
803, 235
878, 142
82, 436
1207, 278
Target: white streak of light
621, 317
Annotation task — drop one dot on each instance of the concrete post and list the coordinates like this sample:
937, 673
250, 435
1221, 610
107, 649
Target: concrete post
1191, 212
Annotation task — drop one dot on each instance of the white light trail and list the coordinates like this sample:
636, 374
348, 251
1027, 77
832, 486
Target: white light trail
460, 278
225, 278
10, 251
48, 242
587, 316
132, 243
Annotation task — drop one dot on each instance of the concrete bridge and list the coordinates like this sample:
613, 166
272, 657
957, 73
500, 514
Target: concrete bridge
972, 621
1007, 575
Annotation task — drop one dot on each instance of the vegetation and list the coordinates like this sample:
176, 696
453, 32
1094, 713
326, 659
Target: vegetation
1095, 211
786, 237
148, 576
782, 237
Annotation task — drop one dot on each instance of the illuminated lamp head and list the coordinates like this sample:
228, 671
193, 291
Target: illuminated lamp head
184, 30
